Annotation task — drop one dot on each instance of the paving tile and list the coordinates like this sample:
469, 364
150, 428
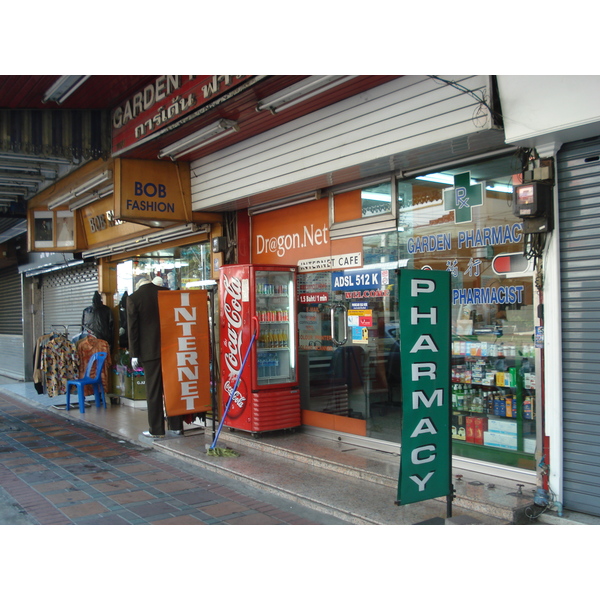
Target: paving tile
220, 509
196, 497
131, 497
113, 486
175, 486
255, 519
151, 509
156, 476
61, 484
84, 509
68, 496
181, 520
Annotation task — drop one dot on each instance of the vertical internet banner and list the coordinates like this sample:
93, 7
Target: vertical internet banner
185, 351
425, 464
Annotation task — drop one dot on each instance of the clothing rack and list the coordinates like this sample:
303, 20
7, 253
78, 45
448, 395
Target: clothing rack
65, 327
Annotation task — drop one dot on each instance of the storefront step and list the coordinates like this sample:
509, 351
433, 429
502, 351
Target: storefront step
491, 496
336, 486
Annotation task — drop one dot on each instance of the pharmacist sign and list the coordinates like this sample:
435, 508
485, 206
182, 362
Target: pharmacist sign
425, 465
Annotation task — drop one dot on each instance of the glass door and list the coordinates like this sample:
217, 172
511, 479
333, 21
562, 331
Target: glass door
275, 311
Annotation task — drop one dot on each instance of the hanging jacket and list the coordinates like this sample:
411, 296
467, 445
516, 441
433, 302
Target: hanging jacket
98, 320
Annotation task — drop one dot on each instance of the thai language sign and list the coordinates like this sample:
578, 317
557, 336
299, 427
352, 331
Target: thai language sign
164, 101
185, 355
425, 464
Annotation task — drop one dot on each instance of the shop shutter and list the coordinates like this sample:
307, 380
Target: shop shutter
579, 211
11, 324
66, 293
376, 129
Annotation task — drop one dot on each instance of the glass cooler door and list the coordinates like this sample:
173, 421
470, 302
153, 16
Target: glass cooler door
275, 310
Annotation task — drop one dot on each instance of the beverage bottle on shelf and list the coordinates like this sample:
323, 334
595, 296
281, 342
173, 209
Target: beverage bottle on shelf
460, 397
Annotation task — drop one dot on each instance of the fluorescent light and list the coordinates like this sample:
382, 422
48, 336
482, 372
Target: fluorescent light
307, 88
92, 183
80, 190
438, 178
199, 138
63, 87
56, 202
163, 235
89, 198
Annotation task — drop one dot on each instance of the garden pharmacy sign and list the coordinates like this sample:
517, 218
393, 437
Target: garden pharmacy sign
425, 464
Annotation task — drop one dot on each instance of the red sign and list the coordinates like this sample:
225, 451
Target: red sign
163, 102
185, 355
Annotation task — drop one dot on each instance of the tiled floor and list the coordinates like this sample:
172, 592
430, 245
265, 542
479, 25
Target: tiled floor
61, 471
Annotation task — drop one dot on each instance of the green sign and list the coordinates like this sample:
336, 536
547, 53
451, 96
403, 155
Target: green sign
463, 197
425, 463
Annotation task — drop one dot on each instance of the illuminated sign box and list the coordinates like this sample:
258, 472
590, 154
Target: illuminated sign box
152, 192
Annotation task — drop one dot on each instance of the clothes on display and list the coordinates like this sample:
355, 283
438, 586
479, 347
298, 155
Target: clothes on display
85, 348
98, 320
58, 363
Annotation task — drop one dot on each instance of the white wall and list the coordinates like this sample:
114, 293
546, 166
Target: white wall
538, 109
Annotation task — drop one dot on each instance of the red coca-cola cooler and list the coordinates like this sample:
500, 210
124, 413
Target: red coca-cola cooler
259, 300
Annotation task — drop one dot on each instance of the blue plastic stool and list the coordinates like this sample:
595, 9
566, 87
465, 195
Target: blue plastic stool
96, 382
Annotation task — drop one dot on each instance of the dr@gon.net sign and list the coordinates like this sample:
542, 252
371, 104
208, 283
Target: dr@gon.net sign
425, 467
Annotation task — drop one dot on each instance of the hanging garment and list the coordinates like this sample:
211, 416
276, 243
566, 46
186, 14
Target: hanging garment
85, 348
97, 319
38, 374
60, 362
123, 339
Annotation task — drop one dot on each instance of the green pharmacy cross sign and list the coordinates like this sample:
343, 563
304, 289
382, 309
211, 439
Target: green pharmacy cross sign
463, 197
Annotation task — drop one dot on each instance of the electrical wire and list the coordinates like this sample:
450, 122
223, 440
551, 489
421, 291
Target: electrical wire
465, 90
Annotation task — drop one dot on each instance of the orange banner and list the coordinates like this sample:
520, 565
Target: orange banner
185, 349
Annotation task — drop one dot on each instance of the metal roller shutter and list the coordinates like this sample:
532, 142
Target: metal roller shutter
579, 212
11, 302
66, 293
11, 324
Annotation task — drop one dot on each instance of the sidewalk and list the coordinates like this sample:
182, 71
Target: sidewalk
334, 480
56, 471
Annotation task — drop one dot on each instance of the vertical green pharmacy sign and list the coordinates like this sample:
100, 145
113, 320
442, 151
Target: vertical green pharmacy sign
425, 464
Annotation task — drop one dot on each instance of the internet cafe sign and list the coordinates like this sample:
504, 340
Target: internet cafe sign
425, 464
299, 235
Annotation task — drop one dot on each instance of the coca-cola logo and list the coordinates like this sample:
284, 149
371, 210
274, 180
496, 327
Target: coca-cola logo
232, 344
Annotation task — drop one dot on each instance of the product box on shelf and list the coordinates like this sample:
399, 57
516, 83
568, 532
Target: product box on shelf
500, 440
529, 444
502, 426
475, 427
529, 380
459, 426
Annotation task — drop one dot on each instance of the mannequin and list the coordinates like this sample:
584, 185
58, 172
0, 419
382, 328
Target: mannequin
143, 328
